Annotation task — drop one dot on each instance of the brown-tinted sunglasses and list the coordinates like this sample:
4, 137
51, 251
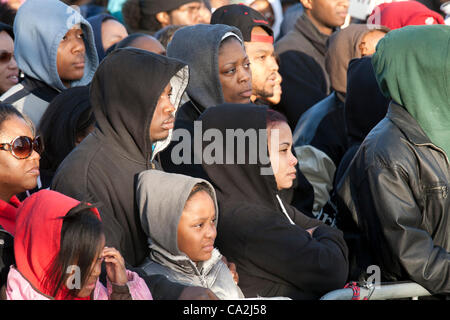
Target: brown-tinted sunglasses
22, 147
5, 56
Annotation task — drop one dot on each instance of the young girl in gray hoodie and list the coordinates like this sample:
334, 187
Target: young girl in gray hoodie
179, 214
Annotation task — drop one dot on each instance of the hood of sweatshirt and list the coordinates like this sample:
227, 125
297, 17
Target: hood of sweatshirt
343, 46
198, 46
124, 103
39, 27
365, 105
38, 234
412, 65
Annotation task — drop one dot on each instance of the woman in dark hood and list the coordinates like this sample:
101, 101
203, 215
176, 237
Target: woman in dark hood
107, 31
278, 250
134, 123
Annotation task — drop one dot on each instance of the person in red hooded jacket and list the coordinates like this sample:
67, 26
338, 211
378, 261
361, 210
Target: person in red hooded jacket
59, 248
395, 15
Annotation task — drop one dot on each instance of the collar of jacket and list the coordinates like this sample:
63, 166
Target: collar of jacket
39, 88
408, 125
182, 263
305, 26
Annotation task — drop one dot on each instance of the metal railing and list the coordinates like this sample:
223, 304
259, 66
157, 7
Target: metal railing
383, 291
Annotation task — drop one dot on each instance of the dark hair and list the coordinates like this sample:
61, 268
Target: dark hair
135, 19
67, 117
273, 117
81, 234
7, 111
7, 14
165, 34
7, 28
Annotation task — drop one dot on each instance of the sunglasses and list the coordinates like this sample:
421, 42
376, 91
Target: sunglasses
5, 56
22, 147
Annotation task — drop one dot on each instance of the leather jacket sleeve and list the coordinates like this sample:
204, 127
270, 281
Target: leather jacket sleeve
388, 213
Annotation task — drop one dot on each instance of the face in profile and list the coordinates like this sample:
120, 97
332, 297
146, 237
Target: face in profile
197, 228
281, 158
264, 66
70, 57
16, 175
163, 117
234, 72
9, 72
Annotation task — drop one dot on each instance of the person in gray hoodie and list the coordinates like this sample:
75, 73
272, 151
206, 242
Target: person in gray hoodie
55, 49
179, 215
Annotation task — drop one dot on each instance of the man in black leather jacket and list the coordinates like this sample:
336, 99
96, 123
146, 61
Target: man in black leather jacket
396, 187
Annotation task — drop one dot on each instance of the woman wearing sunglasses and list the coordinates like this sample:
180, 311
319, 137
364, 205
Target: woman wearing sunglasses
9, 72
19, 162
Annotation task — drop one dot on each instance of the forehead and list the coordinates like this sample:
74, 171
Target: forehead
14, 127
190, 5
6, 42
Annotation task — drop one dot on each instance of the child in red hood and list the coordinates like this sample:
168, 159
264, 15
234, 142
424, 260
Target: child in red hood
59, 247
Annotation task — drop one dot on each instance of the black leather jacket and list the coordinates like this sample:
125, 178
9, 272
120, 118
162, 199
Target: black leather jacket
396, 190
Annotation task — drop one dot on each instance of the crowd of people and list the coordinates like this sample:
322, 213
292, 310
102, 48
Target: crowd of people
217, 150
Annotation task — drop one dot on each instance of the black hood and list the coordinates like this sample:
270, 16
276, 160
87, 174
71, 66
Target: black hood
124, 114
365, 105
240, 182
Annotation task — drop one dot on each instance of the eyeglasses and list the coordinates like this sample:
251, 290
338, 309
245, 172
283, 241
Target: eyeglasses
22, 147
5, 56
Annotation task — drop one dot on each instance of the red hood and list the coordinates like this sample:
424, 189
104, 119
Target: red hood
396, 15
8, 211
38, 234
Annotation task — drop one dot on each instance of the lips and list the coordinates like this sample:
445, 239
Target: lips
246, 93
209, 247
34, 171
79, 64
13, 78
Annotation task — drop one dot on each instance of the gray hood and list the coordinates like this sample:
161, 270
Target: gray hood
198, 46
161, 198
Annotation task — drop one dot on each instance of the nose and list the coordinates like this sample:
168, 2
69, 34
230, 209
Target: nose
168, 107
12, 63
78, 46
245, 75
274, 64
292, 159
345, 3
211, 233
34, 156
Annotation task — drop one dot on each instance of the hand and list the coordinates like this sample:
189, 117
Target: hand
311, 230
115, 266
197, 293
232, 268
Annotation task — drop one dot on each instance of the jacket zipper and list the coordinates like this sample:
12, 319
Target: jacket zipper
444, 190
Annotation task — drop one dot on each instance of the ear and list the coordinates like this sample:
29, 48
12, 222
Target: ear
307, 4
163, 18
363, 48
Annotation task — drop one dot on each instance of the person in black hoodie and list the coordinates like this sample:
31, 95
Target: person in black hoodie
278, 251
134, 120
302, 54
